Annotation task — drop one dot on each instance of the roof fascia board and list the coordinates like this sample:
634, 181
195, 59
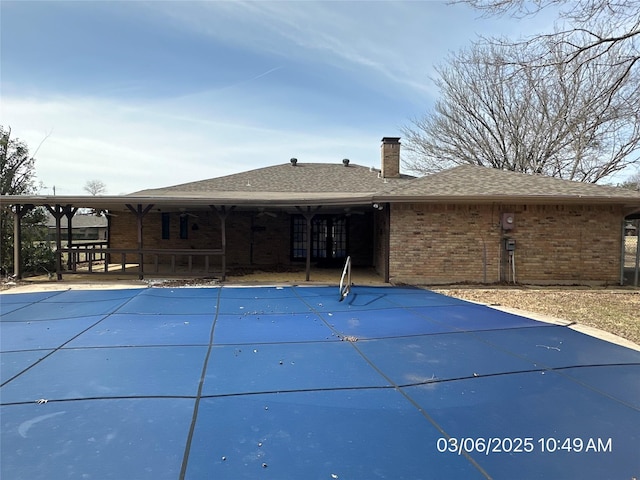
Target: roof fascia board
106, 202
121, 201
531, 199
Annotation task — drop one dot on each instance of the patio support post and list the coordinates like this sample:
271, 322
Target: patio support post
58, 212
308, 265
623, 255
222, 214
107, 256
308, 215
69, 212
17, 242
18, 212
637, 270
140, 212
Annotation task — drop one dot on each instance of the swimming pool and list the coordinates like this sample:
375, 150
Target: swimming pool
289, 382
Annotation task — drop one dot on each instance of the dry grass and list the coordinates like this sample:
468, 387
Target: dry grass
614, 311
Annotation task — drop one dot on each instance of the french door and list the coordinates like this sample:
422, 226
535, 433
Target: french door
329, 239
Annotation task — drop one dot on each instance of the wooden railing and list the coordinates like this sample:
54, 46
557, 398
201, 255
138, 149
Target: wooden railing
85, 253
96, 258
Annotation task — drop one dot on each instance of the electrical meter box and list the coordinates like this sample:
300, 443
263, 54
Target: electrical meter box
508, 221
509, 244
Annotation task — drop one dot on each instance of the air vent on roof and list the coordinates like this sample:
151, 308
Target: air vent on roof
293, 162
345, 162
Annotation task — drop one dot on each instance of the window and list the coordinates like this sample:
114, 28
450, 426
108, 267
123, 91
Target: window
328, 237
319, 239
298, 237
166, 225
184, 227
339, 238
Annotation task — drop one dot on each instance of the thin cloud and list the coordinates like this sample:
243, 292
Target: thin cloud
389, 43
246, 84
150, 146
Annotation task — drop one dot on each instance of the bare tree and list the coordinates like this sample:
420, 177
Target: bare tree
633, 182
95, 187
555, 121
606, 22
586, 30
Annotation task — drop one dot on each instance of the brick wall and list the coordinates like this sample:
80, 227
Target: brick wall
261, 240
270, 242
433, 244
252, 239
361, 239
380, 229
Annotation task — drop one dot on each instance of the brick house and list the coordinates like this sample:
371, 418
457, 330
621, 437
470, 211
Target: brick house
466, 224
476, 224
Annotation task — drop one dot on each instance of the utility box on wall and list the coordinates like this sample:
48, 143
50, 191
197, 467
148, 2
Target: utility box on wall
508, 221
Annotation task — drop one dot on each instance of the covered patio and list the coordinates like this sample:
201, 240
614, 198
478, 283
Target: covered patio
224, 235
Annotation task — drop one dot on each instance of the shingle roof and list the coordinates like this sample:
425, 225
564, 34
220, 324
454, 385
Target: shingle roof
335, 184
304, 178
472, 182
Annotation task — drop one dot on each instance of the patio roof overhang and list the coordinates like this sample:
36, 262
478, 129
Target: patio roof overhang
291, 200
630, 205
534, 199
307, 204
239, 199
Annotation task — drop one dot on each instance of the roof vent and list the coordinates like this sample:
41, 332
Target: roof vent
293, 162
345, 162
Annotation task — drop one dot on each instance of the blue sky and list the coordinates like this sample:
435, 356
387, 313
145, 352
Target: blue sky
149, 94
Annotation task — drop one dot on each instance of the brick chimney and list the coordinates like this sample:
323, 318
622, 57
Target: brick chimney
391, 157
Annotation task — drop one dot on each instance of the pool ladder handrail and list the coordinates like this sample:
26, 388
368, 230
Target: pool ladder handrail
346, 272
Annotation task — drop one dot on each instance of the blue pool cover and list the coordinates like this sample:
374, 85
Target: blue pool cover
290, 383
